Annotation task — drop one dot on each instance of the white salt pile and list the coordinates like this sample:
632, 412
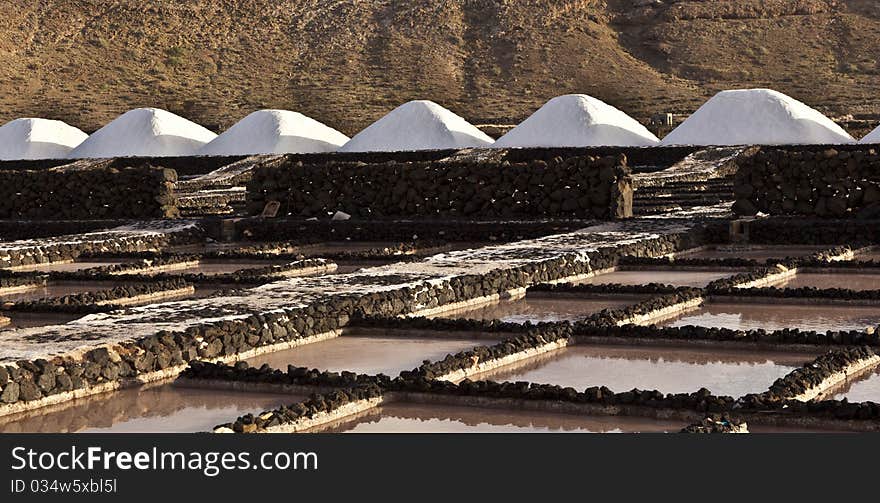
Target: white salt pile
275, 132
756, 117
577, 120
38, 139
872, 137
148, 132
417, 125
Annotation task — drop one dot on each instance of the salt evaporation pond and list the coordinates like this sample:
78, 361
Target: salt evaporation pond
28, 320
418, 418
864, 389
418, 125
72, 266
537, 309
148, 132
669, 370
60, 289
212, 267
368, 354
846, 280
32, 138
756, 117
642, 277
275, 132
577, 120
151, 409
770, 316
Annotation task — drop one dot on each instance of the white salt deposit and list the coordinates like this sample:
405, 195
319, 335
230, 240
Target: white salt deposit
756, 117
275, 132
148, 132
578, 120
873, 137
417, 125
38, 139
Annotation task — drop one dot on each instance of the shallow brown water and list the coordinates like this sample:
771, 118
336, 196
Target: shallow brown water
158, 409
669, 370
417, 418
75, 266
537, 309
754, 253
214, 267
61, 288
864, 389
839, 280
676, 278
778, 316
367, 355
27, 320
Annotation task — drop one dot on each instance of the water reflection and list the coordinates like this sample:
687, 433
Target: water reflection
417, 418
157, 409
367, 355
779, 316
669, 370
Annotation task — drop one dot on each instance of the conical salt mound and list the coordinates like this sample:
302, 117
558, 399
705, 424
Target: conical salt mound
577, 120
873, 137
417, 125
756, 117
275, 132
38, 139
146, 132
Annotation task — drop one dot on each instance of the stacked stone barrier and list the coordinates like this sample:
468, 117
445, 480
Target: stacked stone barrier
576, 187
136, 271
807, 377
99, 301
273, 229
832, 182
88, 192
9, 279
804, 230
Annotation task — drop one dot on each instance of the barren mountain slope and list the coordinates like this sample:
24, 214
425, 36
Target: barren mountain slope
348, 62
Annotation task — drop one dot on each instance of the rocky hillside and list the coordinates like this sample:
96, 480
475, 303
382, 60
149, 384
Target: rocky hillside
346, 62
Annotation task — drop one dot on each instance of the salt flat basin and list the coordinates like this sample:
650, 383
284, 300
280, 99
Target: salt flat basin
26, 320
387, 355
213, 267
418, 418
74, 266
748, 316
643, 277
852, 281
760, 253
156, 409
863, 389
669, 370
61, 288
544, 308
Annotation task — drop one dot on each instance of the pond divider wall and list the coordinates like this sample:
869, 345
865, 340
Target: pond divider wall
89, 191
575, 187
836, 182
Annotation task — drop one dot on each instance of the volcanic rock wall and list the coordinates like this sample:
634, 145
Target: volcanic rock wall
88, 192
575, 187
825, 182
